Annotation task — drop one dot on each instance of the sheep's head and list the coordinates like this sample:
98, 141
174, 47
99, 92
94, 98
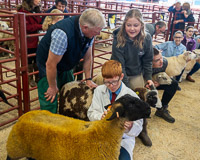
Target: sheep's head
149, 96
130, 108
3, 25
189, 55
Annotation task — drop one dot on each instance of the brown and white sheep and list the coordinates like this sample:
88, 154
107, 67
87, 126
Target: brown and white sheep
176, 64
46, 136
75, 99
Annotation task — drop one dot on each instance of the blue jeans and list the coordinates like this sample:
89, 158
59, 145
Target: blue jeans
124, 155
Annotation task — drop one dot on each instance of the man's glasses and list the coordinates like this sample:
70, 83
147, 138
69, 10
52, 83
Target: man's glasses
114, 83
178, 37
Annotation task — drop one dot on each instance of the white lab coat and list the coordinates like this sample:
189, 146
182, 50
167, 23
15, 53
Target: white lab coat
101, 98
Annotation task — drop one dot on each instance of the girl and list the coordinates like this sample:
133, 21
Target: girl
50, 20
132, 47
190, 44
33, 25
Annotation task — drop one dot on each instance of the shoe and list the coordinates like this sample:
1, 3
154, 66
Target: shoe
189, 78
164, 113
145, 139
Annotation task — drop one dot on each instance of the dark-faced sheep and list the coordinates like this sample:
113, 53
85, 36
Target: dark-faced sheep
46, 136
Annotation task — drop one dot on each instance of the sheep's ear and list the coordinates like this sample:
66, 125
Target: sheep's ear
120, 111
106, 107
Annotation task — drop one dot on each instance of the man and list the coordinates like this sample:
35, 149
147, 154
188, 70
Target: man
172, 48
176, 9
61, 49
112, 89
155, 29
159, 65
61, 5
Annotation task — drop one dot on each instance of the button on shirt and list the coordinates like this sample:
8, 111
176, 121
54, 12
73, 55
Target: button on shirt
170, 49
59, 41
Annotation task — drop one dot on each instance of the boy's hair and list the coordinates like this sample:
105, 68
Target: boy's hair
63, 2
111, 69
155, 51
188, 27
178, 32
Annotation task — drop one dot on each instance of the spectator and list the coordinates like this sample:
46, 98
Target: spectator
61, 48
188, 16
61, 5
190, 44
155, 29
132, 47
172, 48
32, 27
176, 9
50, 20
112, 89
160, 65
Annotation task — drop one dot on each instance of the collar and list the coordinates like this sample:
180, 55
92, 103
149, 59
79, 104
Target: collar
174, 44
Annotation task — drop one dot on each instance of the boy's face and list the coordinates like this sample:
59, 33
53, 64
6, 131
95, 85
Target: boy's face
158, 61
113, 83
60, 6
178, 6
178, 38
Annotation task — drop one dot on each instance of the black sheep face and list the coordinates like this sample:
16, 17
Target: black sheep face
152, 98
131, 108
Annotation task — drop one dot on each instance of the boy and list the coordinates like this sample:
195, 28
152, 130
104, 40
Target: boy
112, 89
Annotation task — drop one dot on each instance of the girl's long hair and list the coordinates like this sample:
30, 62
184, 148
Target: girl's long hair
139, 39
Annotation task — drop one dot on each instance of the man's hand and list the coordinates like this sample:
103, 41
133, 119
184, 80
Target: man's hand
51, 94
128, 125
149, 83
91, 84
156, 84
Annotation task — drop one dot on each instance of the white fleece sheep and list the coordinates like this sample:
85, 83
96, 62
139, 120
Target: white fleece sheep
46, 136
9, 44
191, 64
162, 78
176, 64
75, 99
105, 36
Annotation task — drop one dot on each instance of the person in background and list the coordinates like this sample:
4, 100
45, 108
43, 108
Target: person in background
176, 9
61, 48
112, 89
33, 26
188, 15
190, 44
155, 28
172, 48
132, 47
51, 20
160, 65
61, 5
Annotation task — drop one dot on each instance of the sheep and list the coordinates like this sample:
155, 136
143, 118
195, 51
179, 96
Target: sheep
98, 79
105, 34
177, 63
191, 64
9, 44
75, 99
162, 78
2, 95
46, 136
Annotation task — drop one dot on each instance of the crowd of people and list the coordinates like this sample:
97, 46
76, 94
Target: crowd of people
133, 61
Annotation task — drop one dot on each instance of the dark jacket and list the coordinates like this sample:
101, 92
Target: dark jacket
33, 25
191, 45
135, 61
76, 48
